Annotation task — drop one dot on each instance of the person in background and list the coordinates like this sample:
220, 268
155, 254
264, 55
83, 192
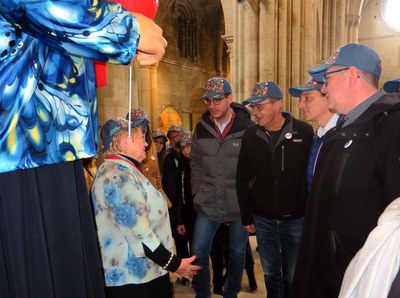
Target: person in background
315, 107
185, 214
272, 186
213, 158
49, 123
149, 166
219, 259
392, 86
169, 182
219, 256
132, 218
357, 173
160, 141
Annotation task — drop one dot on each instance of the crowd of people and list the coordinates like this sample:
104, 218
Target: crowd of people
323, 206
312, 199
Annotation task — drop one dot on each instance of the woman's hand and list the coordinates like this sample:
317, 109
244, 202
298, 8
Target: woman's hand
187, 269
151, 44
181, 229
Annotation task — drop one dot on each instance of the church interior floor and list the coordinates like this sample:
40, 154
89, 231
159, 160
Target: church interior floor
182, 291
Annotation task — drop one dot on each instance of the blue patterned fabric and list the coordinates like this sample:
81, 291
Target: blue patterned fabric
48, 104
129, 211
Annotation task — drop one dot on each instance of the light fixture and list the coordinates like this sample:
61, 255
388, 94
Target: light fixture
390, 13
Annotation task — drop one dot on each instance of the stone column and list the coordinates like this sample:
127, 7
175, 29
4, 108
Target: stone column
250, 46
341, 37
268, 40
352, 23
148, 99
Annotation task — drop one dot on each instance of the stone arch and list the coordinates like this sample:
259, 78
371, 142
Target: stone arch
186, 28
169, 116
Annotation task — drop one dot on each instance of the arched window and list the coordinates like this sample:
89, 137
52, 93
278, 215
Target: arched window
390, 13
187, 28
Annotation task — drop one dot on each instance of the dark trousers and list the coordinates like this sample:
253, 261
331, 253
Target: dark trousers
157, 288
181, 241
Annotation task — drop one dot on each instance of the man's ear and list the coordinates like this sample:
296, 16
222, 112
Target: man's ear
279, 105
230, 98
354, 75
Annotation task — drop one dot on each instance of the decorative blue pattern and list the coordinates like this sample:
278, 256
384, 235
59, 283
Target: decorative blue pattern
125, 215
136, 266
48, 105
130, 213
114, 277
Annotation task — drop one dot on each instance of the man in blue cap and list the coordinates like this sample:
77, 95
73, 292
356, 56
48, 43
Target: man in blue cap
315, 107
357, 174
213, 158
271, 184
392, 86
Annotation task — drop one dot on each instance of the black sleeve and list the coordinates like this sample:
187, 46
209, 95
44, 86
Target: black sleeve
163, 257
179, 194
243, 176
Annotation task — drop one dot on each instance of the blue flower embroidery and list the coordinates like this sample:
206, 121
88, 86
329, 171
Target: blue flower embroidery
125, 215
112, 195
121, 167
107, 242
136, 266
114, 277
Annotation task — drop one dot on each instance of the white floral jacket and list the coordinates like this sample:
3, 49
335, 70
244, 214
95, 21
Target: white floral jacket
129, 211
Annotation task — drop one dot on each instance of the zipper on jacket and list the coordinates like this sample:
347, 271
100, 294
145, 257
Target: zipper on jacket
283, 159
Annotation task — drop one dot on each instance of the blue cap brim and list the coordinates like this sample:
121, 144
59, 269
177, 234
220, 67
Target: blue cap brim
391, 86
212, 94
254, 100
296, 91
318, 72
140, 121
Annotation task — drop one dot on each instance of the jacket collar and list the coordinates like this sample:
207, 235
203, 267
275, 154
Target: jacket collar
379, 109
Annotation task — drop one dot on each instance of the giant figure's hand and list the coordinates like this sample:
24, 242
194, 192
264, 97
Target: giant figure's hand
152, 44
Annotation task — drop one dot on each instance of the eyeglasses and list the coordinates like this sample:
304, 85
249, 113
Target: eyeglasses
259, 105
186, 147
326, 79
215, 101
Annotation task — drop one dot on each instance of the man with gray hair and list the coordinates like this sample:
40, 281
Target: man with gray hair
357, 174
271, 184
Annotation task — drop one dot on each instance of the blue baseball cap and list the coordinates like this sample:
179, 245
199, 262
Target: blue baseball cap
216, 88
310, 85
175, 128
138, 117
111, 128
352, 54
158, 133
262, 91
392, 86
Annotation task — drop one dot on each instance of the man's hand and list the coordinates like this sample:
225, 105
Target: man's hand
151, 44
250, 228
181, 229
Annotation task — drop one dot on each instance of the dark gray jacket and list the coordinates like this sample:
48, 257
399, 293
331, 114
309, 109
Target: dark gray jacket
214, 162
